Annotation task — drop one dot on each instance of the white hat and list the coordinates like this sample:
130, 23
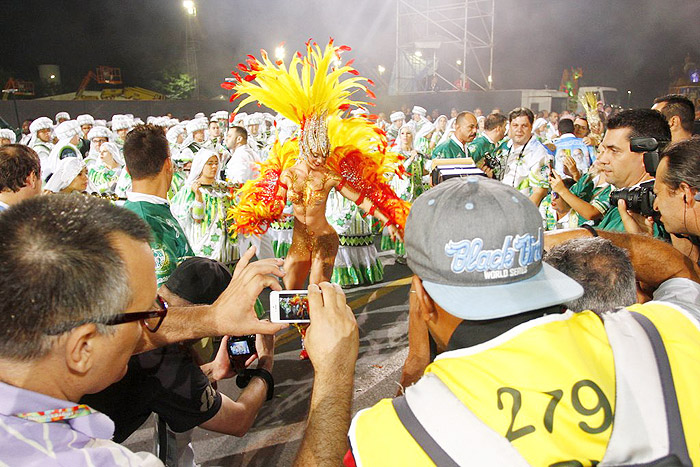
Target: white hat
121, 122
101, 123
6, 133
254, 119
197, 124
98, 132
221, 115
174, 132
397, 116
150, 119
85, 119
199, 115
539, 123
358, 112
136, 121
66, 171
239, 118
419, 110
67, 129
40, 123
62, 115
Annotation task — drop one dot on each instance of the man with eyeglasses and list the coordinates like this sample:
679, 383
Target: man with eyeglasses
78, 290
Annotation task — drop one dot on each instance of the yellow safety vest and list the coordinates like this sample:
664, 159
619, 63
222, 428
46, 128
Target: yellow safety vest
547, 386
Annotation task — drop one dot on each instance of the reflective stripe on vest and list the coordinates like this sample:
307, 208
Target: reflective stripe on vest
580, 417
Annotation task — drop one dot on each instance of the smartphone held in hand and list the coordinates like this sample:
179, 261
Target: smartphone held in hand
289, 306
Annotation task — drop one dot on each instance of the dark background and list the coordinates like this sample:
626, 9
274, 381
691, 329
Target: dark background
628, 44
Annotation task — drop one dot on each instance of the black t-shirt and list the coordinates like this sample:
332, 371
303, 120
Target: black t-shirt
166, 381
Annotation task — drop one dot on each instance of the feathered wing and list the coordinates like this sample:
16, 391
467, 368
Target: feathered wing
361, 158
258, 204
310, 86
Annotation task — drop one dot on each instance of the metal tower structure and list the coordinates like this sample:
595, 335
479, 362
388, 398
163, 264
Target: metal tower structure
443, 44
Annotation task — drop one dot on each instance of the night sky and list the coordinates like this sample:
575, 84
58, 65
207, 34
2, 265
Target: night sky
628, 44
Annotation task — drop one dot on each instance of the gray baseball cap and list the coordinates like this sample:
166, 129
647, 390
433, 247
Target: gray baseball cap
477, 246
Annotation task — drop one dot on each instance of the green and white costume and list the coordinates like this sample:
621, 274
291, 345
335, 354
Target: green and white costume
205, 223
356, 262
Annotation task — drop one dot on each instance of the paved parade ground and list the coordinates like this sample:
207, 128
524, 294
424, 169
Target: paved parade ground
382, 316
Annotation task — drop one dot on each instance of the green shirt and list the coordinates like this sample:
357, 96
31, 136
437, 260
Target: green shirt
598, 197
449, 150
169, 244
480, 148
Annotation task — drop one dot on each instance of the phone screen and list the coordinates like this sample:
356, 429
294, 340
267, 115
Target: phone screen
291, 306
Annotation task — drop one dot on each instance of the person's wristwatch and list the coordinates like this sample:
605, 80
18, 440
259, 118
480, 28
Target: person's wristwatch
244, 378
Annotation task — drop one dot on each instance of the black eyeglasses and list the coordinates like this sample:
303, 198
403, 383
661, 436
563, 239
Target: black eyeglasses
150, 320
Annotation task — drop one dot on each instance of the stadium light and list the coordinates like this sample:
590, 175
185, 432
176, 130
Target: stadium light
190, 7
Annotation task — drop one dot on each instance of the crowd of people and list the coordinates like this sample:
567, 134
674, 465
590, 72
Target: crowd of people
533, 294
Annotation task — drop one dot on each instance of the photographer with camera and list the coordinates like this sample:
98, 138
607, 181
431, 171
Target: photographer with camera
623, 162
675, 198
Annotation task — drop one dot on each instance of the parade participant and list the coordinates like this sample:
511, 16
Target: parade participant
62, 117
408, 187
579, 384
242, 165
86, 123
20, 174
398, 119
97, 136
523, 153
201, 210
195, 138
456, 145
70, 176
440, 127
256, 137
484, 147
68, 134
40, 142
540, 130
326, 155
7, 136
589, 197
569, 146
418, 118
104, 174
121, 124
25, 133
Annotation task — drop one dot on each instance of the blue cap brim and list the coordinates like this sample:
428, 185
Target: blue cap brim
546, 288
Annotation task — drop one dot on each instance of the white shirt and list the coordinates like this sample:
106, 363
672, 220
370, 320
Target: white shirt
520, 161
242, 165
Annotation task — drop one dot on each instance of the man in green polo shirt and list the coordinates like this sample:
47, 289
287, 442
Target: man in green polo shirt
456, 146
147, 156
622, 167
483, 149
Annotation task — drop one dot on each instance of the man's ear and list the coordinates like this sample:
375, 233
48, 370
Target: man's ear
80, 348
32, 180
688, 194
674, 122
428, 312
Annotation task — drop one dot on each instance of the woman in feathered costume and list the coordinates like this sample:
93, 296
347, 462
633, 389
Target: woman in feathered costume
348, 154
